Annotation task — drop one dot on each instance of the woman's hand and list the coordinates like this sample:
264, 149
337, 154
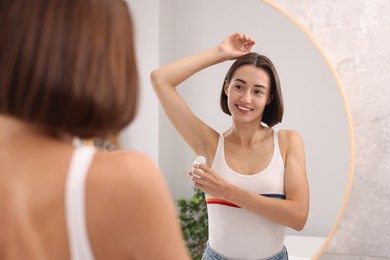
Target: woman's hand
237, 45
207, 180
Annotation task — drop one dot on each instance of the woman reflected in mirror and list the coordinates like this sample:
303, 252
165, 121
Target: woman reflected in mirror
255, 179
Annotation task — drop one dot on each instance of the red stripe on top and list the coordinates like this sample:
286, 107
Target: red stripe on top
221, 202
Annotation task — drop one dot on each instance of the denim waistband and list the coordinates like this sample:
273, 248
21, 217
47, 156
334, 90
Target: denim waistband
210, 254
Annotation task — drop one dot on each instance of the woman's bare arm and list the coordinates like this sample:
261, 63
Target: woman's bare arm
165, 79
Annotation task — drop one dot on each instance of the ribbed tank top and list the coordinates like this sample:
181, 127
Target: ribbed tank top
235, 232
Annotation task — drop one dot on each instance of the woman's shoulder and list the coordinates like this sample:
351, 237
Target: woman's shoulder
288, 138
126, 192
289, 134
124, 168
122, 182
121, 179
124, 160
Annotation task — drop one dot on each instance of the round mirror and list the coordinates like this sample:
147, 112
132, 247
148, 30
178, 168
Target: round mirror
314, 101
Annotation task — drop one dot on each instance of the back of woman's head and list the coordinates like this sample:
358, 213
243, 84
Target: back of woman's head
68, 65
273, 112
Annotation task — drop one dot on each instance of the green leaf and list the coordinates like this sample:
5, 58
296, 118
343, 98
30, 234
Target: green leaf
194, 222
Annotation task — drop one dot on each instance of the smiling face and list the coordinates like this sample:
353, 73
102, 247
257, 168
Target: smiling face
248, 93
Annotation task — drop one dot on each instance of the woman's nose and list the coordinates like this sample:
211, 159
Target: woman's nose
246, 97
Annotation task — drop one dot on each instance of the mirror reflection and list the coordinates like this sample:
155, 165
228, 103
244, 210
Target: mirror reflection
313, 102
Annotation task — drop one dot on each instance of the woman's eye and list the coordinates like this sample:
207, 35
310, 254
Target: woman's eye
258, 92
238, 87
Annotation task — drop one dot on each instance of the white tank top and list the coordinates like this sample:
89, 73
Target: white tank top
235, 232
80, 248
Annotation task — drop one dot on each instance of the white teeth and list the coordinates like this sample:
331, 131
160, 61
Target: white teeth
244, 108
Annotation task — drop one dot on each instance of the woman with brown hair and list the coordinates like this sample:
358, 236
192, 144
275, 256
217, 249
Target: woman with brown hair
255, 179
68, 68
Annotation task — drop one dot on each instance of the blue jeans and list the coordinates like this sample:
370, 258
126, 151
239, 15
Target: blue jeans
210, 254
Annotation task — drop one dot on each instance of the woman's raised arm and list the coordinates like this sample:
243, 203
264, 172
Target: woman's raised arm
165, 79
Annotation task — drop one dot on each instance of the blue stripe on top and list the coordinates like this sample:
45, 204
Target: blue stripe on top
276, 196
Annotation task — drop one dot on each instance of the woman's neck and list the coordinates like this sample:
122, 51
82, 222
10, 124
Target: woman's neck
246, 134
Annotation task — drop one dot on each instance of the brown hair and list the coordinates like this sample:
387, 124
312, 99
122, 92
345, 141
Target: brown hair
273, 112
68, 65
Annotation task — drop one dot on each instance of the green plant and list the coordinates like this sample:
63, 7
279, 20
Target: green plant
194, 223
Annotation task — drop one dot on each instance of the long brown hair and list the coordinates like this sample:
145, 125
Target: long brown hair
68, 65
273, 112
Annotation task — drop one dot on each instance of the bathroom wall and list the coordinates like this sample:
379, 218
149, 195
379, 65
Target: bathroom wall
355, 36
145, 16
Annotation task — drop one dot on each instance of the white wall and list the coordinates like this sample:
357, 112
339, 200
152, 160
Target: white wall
142, 134
167, 134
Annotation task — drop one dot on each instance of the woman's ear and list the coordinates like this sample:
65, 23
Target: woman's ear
225, 87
